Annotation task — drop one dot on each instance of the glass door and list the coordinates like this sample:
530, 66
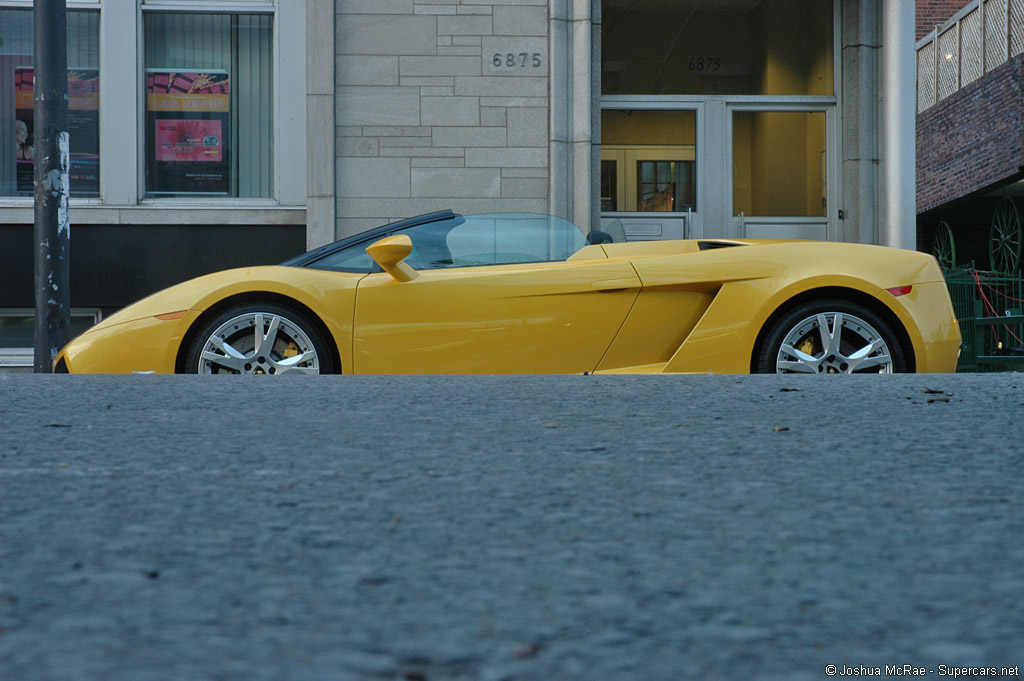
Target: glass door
782, 182
650, 172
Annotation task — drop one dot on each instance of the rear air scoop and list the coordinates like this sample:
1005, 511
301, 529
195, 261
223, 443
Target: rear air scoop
710, 245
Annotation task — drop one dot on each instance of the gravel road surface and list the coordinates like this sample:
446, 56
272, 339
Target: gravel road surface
186, 528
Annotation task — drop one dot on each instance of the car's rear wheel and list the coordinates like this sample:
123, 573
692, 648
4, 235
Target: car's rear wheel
259, 338
832, 336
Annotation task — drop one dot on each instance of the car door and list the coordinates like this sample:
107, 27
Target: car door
547, 317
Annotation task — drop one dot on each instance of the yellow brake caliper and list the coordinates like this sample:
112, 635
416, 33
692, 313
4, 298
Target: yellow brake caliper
291, 350
806, 346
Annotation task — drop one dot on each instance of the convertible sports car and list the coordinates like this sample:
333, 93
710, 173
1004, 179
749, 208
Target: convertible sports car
523, 293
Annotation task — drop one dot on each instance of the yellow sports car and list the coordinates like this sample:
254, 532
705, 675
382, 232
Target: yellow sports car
522, 293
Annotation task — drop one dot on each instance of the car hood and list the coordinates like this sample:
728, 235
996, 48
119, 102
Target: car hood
184, 296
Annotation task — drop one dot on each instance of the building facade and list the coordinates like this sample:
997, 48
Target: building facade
675, 118
218, 133
970, 134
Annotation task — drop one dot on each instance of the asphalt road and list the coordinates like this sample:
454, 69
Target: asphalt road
497, 528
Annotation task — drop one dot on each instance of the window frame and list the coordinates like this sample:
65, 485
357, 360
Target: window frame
122, 169
12, 207
799, 227
16, 357
149, 195
627, 157
288, 167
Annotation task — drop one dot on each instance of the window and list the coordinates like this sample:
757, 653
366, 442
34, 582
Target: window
17, 89
18, 329
779, 163
664, 186
744, 47
648, 161
609, 186
209, 103
473, 241
497, 239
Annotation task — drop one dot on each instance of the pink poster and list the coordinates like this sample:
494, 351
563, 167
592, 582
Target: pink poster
188, 140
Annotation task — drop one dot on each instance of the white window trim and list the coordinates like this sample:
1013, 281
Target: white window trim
220, 6
71, 4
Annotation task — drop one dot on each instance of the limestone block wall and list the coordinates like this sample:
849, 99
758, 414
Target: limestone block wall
440, 104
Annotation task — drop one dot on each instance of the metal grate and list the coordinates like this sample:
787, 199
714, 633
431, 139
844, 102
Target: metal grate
995, 33
970, 48
926, 77
1016, 27
948, 73
976, 294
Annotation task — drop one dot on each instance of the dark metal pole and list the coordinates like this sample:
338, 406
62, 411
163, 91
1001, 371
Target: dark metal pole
52, 226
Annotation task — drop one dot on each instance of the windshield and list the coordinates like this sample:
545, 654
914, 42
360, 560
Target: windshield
493, 239
475, 240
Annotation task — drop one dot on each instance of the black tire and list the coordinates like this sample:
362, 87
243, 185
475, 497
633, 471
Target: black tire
227, 343
867, 344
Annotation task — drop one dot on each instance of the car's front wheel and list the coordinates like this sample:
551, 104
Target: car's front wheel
259, 338
832, 336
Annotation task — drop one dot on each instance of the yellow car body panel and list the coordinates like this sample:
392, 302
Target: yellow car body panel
114, 346
555, 317
144, 345
647, 307
927, 315
748, 284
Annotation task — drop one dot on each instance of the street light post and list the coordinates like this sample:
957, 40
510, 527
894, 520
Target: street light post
52, 226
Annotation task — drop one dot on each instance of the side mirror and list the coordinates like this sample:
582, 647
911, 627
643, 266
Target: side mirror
389, 253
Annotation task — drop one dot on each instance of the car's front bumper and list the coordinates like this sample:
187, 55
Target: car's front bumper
147, 345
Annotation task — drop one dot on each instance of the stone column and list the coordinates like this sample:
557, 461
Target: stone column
899, 222
860, 104
320, 133
575, 105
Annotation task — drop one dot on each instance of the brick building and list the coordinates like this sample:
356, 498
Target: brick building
970, 132
932, 14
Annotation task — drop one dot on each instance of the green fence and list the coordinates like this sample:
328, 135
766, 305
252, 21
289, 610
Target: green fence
990, 309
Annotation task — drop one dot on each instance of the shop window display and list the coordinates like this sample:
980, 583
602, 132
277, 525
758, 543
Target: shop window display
17, 106
209, 103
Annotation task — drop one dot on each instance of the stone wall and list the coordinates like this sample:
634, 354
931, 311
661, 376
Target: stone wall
440, 104
973, 139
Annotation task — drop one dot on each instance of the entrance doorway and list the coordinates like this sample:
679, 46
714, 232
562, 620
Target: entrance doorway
720, 119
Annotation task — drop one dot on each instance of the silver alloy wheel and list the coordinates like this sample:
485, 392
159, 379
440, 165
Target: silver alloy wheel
834, 343
259, 343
